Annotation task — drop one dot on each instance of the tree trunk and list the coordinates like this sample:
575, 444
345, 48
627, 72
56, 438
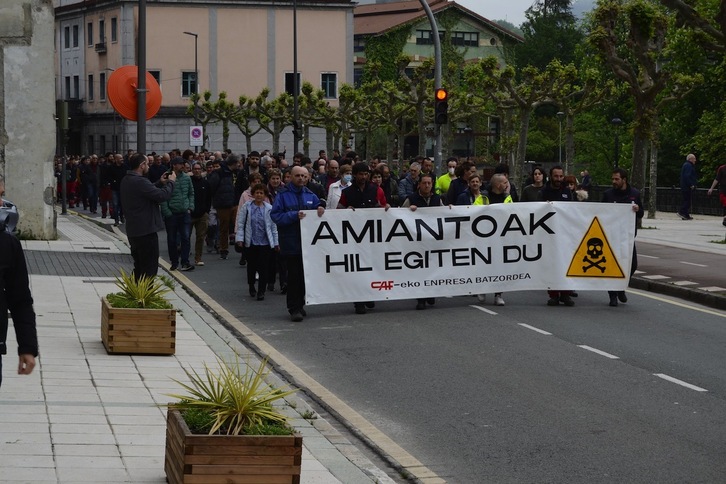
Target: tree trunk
653, 182
225, 134
515, 168
248, 142
421, 121
640, 152
569, 143
329, 141
306, 139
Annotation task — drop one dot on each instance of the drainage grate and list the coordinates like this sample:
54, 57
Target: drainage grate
77, 264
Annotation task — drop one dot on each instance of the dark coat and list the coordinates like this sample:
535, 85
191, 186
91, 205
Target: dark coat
221, 182
141, 200
202, 196
15, 297
629, 195
551, 194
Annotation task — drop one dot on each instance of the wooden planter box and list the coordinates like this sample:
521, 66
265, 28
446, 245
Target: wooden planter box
138, 331
230, 459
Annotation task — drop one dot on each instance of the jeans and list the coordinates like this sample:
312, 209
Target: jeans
295, 283
118, 213
200, 229
92, 196
145, 251
178, 228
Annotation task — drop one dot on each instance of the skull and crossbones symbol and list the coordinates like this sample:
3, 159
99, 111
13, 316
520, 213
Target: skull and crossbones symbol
594, 257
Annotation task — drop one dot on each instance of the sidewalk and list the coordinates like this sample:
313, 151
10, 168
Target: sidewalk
86, 416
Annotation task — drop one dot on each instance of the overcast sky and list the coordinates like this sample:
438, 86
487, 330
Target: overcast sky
511, 10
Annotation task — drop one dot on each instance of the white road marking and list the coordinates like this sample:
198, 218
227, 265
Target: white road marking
656, 277
488, 311
541, 331
684, 283
679, 382
713, 289
676, 303
648, 256
693, 264
599, 352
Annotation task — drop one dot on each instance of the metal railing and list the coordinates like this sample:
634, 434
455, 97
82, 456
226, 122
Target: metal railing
669, 199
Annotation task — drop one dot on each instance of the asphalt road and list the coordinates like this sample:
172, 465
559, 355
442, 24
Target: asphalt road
477, 396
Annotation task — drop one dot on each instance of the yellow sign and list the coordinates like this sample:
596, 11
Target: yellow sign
594, 257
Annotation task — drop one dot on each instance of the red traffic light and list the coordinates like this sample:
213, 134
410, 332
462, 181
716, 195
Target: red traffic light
441, 94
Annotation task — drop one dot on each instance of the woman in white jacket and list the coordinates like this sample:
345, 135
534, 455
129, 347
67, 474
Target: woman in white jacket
336, 188
257, 234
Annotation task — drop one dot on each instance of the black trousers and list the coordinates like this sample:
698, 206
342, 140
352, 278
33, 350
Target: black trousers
258, 261
295, 283
145, 251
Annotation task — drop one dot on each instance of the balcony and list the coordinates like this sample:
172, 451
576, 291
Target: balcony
101, 47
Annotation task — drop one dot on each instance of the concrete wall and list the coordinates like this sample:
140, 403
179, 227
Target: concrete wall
27, 112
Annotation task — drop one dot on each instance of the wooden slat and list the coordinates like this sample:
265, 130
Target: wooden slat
244, 470
232, 479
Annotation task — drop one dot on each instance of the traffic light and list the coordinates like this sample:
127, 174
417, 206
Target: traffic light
441, 106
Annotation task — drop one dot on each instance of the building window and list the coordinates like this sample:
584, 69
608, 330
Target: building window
357, 77
102, 86
67, 92
102, 143
329, 85
76, 39
189, 86
102, 31
426, 37
90, 144
469, 39
290, 83
114, 29
90, 92
157, 76
359, 45
89, 33
66, 37
76, 87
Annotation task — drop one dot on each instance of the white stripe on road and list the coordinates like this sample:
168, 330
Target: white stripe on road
488, 311
649, 295
693, 264
599, 352
541, 331
648, 256
680, 382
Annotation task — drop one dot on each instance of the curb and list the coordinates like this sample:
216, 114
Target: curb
710, 299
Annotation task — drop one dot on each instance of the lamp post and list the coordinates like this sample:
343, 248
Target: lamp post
617, 122
113, 139
196, 77
295, 83
560, 115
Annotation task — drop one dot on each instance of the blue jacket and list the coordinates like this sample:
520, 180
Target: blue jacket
244, 225
285, 214
688, 175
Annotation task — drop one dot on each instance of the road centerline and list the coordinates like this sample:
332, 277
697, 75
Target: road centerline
679, 382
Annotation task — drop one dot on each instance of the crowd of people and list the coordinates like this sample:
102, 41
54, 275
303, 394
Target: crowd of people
255, 203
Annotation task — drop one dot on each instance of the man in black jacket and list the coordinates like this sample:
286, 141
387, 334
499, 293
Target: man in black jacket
622, 192
221, 184
200, 214
16, 298
141, 200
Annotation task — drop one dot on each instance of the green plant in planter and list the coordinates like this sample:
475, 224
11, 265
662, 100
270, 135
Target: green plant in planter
144, 293
232, 402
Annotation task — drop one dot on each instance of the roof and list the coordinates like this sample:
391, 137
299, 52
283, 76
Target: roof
379, 18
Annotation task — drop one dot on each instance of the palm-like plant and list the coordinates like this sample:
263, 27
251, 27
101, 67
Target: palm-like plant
236, 400
144, 292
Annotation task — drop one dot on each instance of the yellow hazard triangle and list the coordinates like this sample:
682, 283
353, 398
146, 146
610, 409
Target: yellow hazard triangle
593, 257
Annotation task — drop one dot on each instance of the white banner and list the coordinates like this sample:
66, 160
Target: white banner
373, 254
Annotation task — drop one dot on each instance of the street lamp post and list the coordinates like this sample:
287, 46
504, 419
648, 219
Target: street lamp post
617, 122
295, 83
560, 115
196, 77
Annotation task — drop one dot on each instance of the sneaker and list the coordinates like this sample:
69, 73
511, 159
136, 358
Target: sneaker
421, 305
198, 263
173, 267
574, 294
724, 222
223, 254
271, 287
370, 304
360, 309
431, 301
482, 298
296, 317
115, 224
283, 289
622, 297
187, 267
242, 260
567, 300
303, 312
613, 300
498, 301
553, 301
260, 296
683, 217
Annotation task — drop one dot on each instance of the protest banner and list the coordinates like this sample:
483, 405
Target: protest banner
373, 254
